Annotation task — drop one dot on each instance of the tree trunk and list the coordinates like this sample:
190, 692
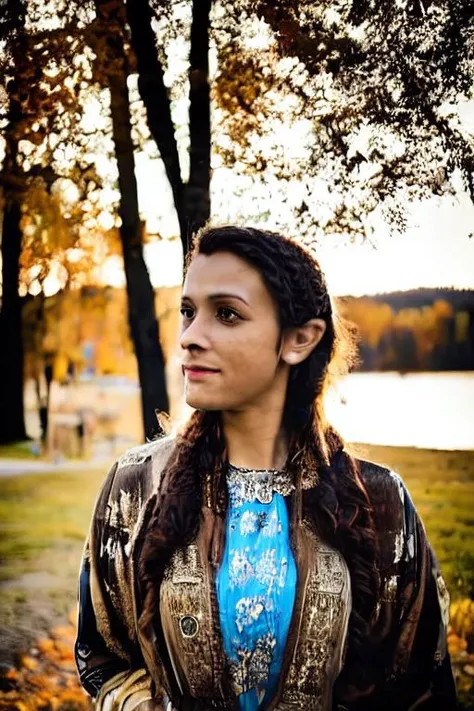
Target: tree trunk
12, 416
192, 200
154, 95
141, 304
197, 201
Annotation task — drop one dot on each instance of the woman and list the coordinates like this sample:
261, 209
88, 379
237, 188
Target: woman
251, 562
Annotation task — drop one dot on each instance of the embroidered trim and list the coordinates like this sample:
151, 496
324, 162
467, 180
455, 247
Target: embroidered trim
257, 484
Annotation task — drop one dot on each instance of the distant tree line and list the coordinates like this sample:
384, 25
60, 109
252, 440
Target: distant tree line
416, 330
87, 329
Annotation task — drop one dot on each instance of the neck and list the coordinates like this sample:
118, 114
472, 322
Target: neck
255, 438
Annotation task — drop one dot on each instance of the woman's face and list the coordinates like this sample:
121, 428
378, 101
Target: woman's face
229, 336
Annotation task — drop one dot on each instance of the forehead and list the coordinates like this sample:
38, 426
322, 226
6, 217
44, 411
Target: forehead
223, 272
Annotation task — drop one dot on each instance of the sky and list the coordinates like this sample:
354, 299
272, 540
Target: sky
434, 251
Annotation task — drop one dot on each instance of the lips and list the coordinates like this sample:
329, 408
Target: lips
199, 369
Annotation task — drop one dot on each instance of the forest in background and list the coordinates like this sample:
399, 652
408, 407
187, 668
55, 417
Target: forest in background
86, 330
422, 329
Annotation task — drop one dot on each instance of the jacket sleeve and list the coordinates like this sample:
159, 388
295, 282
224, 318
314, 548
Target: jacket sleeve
116, 678
418, 675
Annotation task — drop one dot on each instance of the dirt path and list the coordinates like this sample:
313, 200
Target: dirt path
21, 467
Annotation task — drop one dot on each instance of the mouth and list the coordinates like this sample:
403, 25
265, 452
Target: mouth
198, 371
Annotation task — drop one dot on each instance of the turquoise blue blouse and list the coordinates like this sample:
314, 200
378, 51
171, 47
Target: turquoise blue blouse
256, 582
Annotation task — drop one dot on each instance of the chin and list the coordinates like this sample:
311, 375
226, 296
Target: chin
201, 397
202, 403
198, 400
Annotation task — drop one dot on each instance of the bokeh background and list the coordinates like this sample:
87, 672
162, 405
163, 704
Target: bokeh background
127, 125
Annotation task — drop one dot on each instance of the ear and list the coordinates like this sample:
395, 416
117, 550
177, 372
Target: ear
298, 343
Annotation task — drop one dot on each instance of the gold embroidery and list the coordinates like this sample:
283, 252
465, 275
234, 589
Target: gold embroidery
318, 656
443, 598
389, 590
185, 593
317, 659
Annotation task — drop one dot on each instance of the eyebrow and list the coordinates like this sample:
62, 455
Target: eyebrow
220, 295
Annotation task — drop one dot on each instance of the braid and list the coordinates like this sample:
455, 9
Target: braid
172, 517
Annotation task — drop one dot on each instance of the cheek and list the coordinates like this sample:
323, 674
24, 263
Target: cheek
248, 360
251, 364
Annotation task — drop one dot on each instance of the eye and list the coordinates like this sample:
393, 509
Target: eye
227, 314
186, 312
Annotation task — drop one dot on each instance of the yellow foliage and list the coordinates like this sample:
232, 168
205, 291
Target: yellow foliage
443, 309
429, 325
456, 645
105, 359
97, 316
461, 326
462, 620
28, 662
372, 319
60, 367
50, 342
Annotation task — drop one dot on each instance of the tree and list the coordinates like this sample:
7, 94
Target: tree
333, 111
11, 354
374, 90
48, 105
41, 78
191, 198
112, 59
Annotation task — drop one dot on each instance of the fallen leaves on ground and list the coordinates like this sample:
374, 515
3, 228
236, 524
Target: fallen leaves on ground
45, 678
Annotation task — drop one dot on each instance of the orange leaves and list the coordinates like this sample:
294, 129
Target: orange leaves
45, 646
456, 645
12, 675
461, 644
29, 663
372, 318
46, 677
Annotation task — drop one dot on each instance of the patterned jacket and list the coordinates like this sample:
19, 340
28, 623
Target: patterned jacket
124, 667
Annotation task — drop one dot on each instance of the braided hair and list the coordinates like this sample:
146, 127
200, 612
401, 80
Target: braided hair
193, 493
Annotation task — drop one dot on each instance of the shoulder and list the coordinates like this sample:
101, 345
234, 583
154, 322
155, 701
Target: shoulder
157, 450
395, 516
384, 485
138, 471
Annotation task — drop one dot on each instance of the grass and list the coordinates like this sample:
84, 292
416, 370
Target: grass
19, 450
44, 519
43, 512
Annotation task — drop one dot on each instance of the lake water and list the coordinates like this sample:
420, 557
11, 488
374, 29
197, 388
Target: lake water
432, 410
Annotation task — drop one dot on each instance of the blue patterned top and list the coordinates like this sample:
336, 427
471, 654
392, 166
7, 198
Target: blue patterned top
256, 582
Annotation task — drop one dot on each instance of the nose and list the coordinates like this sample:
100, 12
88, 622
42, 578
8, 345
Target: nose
194, 335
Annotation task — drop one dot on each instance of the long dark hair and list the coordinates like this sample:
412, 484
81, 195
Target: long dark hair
193, 491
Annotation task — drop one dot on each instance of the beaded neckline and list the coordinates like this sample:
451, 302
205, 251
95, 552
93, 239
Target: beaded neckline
257, 484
